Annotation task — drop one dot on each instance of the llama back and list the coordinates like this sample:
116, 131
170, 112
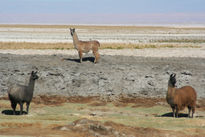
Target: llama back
95, 45
187, 95
189, 91
92, 43
17, 91
95, 42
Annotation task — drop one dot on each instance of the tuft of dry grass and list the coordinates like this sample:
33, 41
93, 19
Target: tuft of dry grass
181, 41
34, 45
145, 45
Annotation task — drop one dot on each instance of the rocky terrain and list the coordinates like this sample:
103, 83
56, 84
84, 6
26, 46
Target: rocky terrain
122, 95
114, 75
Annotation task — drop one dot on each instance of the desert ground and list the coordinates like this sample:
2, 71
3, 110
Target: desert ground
123, 95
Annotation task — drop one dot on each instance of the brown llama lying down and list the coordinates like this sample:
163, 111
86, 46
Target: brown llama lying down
19, 94
85, 46
179, 98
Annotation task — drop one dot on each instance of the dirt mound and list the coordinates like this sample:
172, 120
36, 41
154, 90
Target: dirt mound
123, 100
58, 100
85, 127
81, 99
110, 129
49, 100
98, 101
120, 101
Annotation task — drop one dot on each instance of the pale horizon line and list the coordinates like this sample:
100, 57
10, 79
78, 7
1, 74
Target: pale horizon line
177, 25
130, 19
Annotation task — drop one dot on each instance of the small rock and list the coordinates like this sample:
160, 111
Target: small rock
16, 70
93, 114
64, 128
54, 74
144, 92
151, 83
148, 76
186, 73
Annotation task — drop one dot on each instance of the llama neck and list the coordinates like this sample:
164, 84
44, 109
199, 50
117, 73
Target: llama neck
75, 40
171, 91
31, 86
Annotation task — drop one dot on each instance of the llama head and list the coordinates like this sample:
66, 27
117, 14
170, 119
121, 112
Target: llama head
34, 75
72, 31
172, 79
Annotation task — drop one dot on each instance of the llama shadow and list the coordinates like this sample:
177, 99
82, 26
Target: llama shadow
10, 112
170, 114
91, 59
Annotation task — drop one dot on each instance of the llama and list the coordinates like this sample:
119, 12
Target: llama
179, 98
22, 93
85, 46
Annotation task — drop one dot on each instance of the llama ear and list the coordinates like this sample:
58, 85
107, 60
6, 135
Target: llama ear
174, 75
32, 72
36, 72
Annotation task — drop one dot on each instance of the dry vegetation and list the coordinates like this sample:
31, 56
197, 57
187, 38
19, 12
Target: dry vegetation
111, 37
62, 46
34, 45
92, 116
95, 116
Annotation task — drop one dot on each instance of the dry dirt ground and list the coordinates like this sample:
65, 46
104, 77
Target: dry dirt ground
91, 116
122, 96
62, 74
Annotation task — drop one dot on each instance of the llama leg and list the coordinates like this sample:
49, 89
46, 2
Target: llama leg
13, 105
193, 111
177, 112
80, 56
21, 108
189, 108
27, 106
173, 111
97, 56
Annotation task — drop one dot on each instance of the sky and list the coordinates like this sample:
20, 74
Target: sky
102, 12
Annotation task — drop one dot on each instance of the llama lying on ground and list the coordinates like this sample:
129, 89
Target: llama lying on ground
85, 46
21, 93
179, 98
